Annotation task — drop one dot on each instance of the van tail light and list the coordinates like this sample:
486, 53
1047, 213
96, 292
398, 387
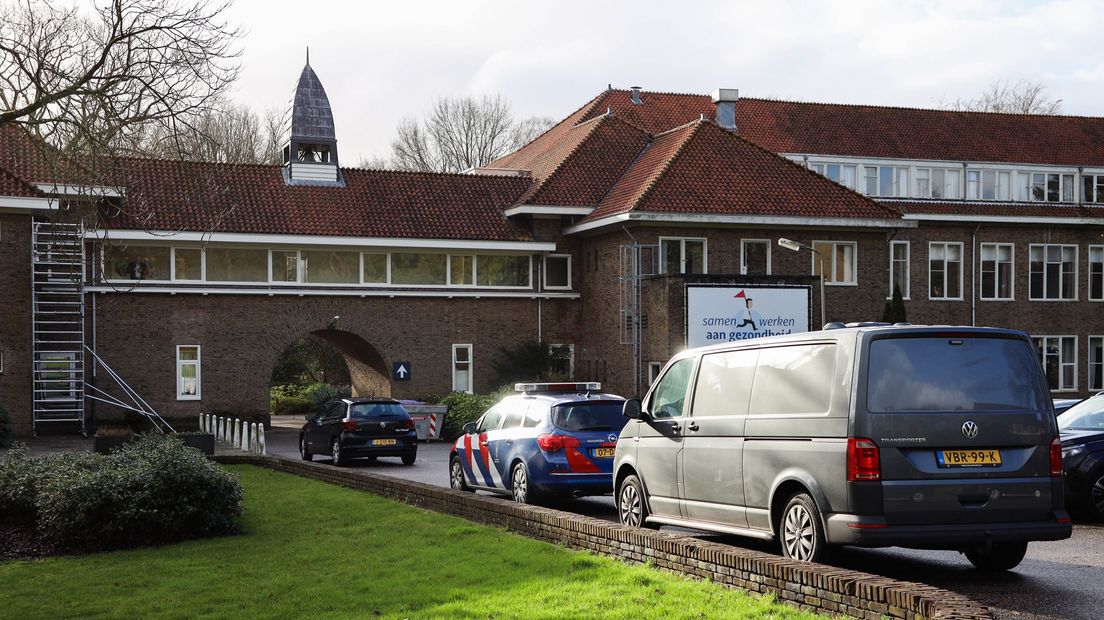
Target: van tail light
1056, 457
549, 442
863, 460
349, 425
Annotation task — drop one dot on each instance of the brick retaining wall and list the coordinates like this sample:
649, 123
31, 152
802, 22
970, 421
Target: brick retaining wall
809, 586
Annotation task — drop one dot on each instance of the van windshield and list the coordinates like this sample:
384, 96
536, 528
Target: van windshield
591, 416
948, 373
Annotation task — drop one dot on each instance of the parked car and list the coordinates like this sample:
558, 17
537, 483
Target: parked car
1062, 404
926, 437
359, 428
1082, 429
548, 439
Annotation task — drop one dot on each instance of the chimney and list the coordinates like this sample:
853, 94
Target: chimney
725, 99
634, 95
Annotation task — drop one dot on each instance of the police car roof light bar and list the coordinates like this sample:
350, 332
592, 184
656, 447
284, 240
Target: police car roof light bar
591, 386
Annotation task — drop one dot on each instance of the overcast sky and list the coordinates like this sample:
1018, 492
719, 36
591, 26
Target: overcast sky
381, 61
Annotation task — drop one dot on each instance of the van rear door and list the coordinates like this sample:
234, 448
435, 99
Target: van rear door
963, 427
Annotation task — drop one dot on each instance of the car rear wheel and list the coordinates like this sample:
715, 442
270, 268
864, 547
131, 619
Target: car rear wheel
1095, 502
801, 532
631, 507
408, 459
998, 557
304, 451
456, 475
335, 452
519, 485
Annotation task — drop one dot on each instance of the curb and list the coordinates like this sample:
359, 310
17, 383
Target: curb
813, 587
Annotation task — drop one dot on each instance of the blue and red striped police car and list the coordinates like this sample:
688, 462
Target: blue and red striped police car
548, 439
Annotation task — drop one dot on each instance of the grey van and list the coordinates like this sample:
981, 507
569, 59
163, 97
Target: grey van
924, 437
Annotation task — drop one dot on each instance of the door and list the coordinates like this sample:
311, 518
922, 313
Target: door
660, 436
328, 426
481, 469
503, 443
712, 456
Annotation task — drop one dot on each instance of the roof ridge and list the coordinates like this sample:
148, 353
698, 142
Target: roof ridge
694, 128
1020, 115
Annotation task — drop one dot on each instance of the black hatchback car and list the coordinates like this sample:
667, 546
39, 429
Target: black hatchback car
359, 428
1082, 431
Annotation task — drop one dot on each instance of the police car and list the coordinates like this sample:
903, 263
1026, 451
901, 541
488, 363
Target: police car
548, 439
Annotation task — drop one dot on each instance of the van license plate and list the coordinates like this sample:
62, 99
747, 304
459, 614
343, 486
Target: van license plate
383, 442
603, 453
968, 458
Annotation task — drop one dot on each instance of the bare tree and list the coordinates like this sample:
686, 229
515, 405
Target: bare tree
1023, 97
460, 133
229, 134
85, 79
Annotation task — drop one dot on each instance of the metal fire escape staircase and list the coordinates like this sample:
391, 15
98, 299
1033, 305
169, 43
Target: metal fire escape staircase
57, 324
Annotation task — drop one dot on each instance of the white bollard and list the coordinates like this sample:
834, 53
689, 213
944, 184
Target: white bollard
218, 428
253, 436
244, 445
204, 423
235, 431
261, 447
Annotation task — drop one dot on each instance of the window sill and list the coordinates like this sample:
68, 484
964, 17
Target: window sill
1052, 300
996, 299
946, 299
186, 398
826, 283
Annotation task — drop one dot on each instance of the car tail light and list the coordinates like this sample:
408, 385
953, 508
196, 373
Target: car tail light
554, 443
1056, 457
409, 425
349, 425
863, 460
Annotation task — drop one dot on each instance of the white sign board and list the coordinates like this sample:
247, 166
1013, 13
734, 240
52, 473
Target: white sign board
716, 314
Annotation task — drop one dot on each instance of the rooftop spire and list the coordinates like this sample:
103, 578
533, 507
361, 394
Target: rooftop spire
308, 55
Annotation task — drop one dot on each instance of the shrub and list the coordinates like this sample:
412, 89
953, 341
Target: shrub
5, 426
291, 405
319, 393
154, 490
464, 408
19, 477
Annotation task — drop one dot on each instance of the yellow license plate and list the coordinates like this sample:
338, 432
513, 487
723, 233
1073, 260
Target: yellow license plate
968, 458
383, 442
603, 453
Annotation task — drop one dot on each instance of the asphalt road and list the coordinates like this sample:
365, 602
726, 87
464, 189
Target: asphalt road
1062, 579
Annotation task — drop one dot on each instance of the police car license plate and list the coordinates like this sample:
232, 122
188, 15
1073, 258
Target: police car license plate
383, 442
603, 453
968, 458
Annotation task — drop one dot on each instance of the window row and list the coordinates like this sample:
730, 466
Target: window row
329, 267
1052, 271
690, 256
1058, 355
955, 183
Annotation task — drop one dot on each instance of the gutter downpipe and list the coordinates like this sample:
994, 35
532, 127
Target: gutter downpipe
973, 276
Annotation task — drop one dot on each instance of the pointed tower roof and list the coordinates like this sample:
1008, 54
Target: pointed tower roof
311, 117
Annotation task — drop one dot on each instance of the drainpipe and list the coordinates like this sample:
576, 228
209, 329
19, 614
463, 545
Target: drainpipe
540, 301
973, 276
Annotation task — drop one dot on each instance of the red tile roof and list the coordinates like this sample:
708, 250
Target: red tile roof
874, 131
10, 185
205, 197
29, 159
1009, 209
703, 169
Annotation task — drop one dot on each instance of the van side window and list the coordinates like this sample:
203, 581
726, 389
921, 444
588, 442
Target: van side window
514, 415
794, 379
724, 383
491, 419
670, 394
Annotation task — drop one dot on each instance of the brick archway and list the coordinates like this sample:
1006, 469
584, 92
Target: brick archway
368, 371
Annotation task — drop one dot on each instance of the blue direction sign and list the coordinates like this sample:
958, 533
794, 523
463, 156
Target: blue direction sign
400, 371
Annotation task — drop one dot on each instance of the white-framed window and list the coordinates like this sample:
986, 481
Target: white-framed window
283, 267
1096, 273
58, 375
945, 270
563, 359
375, 268
840, 261
462, 368
1058, 355
683, 255
1045, 186
939, 183
1096, 363
1092, 188
844, 174
461, 269
654, 368
557, 271
187, 372
133, 263
1053, 272
899, 267
998, 271
988, 185
886, 181
755, 257
187, 265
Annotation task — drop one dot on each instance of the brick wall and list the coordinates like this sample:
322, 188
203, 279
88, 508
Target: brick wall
15, 319
809, 586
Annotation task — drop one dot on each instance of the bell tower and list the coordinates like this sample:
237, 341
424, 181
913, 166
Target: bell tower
310, 154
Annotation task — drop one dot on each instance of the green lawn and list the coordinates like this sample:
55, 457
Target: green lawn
311, 549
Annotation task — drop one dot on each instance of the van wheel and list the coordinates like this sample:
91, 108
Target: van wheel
1096, 495
631, 507
456, 475
801, 532
999, 557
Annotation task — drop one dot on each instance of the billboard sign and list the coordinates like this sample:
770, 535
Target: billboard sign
716, 314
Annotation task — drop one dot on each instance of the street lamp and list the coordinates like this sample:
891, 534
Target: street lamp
790, 244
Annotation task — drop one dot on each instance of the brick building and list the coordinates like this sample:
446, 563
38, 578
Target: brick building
195, 276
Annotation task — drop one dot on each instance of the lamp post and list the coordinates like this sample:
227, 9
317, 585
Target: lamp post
790, 244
